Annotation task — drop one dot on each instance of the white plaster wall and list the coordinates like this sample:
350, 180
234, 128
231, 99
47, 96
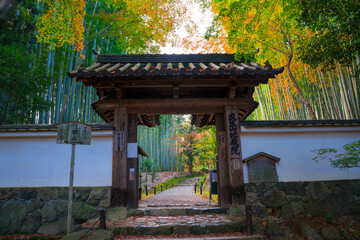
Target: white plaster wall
33, 159
293, 146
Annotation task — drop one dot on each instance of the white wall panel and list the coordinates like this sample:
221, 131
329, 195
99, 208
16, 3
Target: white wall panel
34, 159
293, 146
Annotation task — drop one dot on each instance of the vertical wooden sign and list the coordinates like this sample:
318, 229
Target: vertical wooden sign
236, 175
233, 137
119, 141
222, 145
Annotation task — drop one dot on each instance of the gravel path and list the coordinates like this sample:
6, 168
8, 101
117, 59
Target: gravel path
180, 195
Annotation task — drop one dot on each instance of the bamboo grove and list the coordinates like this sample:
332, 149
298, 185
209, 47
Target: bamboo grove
51, 33
316, 40
44, 40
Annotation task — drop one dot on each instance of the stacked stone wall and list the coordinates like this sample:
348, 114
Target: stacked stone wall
44, 209
292, 199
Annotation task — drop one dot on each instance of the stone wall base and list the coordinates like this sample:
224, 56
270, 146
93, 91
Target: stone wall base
291, 199
44, 209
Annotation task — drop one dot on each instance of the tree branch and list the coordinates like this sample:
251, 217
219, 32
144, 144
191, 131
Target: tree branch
278, 30
276, 49
288, 64
104, 30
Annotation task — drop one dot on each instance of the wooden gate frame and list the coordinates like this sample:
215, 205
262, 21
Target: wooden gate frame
135, 89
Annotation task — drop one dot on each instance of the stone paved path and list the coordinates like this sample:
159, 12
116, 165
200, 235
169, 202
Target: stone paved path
178, 196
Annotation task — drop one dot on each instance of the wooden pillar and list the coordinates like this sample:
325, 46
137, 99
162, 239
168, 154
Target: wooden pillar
119, 164
132, 164
234, 158
223, 180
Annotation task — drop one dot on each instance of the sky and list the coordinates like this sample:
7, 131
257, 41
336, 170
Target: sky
202, 20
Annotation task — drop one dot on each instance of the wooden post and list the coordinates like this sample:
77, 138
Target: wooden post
223, 180
146, 191
218, 179
248, 219
71, 184
119, 164
234, 158
132, 164
154, 190
102, 219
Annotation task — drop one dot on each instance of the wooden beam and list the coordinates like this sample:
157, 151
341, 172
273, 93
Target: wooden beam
163, 106
119, 173
176, 92
223, 181
120, 93
198, 119
101, 92
169, 82
232, 92
160, 106
210, 118
170, 85
250, 91
132, 164
152, 120
140, 119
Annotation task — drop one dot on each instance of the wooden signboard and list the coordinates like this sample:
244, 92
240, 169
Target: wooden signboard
119, 141
73, 133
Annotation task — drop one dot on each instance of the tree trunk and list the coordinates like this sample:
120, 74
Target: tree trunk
7, 8
190, 163
306, 103
5, 109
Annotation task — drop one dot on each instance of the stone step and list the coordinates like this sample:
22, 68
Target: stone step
106, 234
179, 229
252, 237
174, 211
179, 224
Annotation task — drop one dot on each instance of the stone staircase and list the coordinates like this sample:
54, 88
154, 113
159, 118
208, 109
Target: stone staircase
201, 223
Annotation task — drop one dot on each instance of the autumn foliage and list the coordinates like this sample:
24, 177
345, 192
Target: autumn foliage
143, 23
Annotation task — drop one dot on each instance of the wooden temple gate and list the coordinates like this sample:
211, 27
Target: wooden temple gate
135, 89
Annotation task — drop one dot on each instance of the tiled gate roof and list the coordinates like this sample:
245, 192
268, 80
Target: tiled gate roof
197, 84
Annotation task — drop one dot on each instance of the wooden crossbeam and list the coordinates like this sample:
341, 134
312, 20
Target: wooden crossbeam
198, 119
140, 119
192, 82
175, 106
210, 118
101, 92
120, 93
152, 120
250, 91
176, 92
232, 92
